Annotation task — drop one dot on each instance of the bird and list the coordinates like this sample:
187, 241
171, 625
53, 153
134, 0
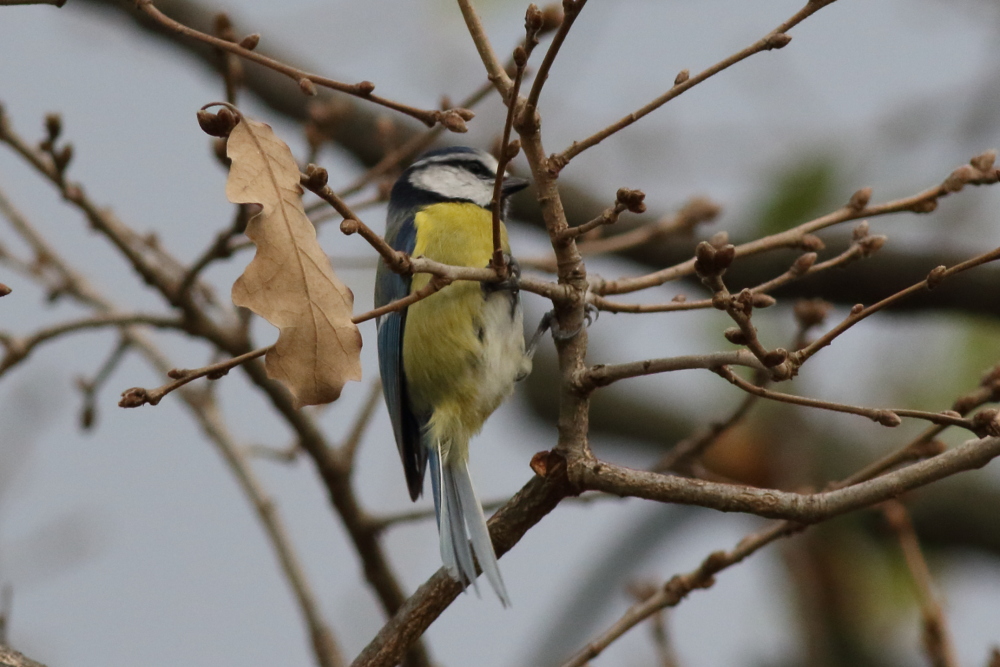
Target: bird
449, 360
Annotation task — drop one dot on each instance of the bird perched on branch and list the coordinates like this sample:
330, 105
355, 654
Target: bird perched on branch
449, 360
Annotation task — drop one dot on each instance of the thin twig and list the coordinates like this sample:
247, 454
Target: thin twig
775, 39
453, 119
362, 419
884, 416
937, 638
571, 9
980, 171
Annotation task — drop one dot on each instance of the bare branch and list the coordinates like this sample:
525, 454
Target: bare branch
453, 119
775, 39
937, 638
495, 70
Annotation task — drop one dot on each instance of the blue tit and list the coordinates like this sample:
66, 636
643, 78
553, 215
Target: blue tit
448, 361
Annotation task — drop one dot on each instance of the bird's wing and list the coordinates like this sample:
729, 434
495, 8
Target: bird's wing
406, 425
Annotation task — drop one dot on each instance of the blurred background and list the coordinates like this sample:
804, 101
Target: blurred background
130, 543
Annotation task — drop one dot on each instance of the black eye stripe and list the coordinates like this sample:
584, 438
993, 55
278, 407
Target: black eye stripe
474, 167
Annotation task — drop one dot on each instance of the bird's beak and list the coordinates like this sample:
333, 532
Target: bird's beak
512, 184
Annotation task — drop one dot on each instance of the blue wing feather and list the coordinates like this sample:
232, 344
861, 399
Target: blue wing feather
407, 426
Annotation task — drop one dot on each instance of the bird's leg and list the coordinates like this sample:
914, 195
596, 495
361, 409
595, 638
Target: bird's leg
590, 314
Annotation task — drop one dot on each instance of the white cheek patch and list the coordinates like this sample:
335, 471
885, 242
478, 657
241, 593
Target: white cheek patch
453, 183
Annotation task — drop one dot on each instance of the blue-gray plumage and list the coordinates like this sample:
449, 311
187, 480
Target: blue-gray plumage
448, 361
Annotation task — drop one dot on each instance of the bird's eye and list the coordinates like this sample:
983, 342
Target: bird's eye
481, 170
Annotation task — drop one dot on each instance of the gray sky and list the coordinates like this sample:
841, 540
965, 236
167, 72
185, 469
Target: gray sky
131, 545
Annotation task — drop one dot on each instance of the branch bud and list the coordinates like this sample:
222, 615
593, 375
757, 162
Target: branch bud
775, 357
872, 244
454, 120
366, 87
250, 42
4, 290
552, 18
682, 76
925, 206
887, 418
985, 422
704, 263
719, 239
62, 158
857, 308
533, 20
804, 263
761, 300
632, 200
958, 178
778, 40
53, 126
811, 242
859, 200
218, 124
735, 335
935, 276
316, 177
724, 257
520, 56
513, 149
307, 87
984, 161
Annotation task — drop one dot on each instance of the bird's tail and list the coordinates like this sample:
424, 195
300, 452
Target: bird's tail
461, 521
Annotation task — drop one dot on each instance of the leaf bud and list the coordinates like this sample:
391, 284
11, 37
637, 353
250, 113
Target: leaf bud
778, 40
681, 77
811, 242
453, 121
984, 161
958, 178
887, 418
735, 335
53, 125
552, 17
632, 200
804, 263
859, 200
218, 124
349, 226
513, 149
935, 276
761, 300
250, 42
719, 239
724, 257
316, 177
4, 290
925, 206
533, 19
775, 357
704, 263
985, 422
307, 86
62, 158
857, 308
872, 244
520, 56
366, 88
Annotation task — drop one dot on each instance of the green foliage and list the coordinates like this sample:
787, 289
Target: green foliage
798, 192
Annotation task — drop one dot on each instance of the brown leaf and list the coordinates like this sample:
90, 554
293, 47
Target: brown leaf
290, 282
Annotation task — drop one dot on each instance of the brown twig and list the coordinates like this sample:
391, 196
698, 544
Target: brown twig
453, 119
775, 39
137, 396
859, 312
979, 171
571, 9
884, 416
937, 638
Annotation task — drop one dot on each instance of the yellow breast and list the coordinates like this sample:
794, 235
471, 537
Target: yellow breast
445, 334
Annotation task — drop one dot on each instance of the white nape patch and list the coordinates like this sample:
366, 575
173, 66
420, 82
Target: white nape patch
453, 182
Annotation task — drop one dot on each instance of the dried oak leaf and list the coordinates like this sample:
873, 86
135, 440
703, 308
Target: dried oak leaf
290, 282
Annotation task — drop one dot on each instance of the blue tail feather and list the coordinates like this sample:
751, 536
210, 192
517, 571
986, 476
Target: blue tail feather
460, 517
